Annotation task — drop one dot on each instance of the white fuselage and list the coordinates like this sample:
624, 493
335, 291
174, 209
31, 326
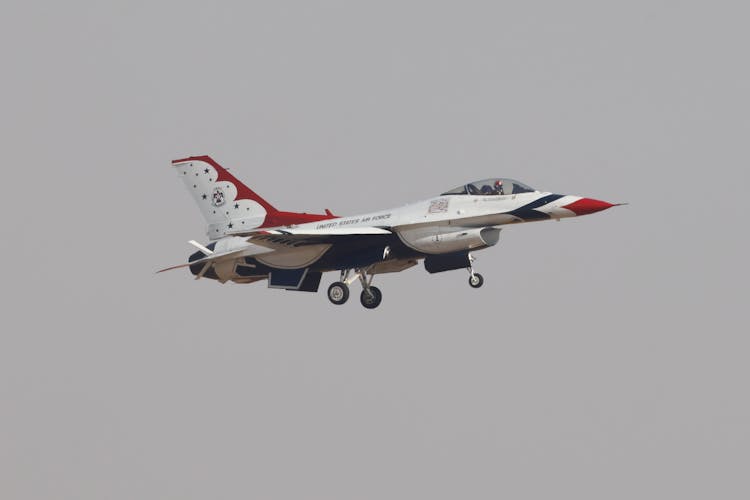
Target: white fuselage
445, 224
463, 210
449, 223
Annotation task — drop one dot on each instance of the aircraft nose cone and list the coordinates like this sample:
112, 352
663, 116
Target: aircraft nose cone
586, 206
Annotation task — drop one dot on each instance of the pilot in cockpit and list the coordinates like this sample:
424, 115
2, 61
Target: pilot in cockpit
496, 189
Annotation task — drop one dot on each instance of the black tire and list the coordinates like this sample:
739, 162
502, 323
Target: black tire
371, 300
476, 280
338, 293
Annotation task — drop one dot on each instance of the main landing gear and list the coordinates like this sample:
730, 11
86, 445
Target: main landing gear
338, 293
371, 296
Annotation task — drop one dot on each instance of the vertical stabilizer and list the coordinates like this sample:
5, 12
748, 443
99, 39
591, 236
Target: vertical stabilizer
229, 206
226, 203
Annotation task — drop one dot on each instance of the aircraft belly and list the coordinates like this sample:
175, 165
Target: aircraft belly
392, 266
294, 258
248, 279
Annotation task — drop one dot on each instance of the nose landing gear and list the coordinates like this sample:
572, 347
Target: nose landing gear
475, 279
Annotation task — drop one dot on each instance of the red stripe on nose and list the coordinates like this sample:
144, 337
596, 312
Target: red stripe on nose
588, 206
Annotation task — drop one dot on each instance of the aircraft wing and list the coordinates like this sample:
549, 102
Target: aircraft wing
357, 247
278, 247
294, 237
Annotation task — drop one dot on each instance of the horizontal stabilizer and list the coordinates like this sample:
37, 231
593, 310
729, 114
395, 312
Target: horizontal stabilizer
174, 267
215, 258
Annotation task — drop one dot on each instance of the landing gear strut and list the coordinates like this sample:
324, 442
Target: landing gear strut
371, 296
475, 279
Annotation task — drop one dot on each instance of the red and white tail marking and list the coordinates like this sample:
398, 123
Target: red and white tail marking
224, 201
228, 205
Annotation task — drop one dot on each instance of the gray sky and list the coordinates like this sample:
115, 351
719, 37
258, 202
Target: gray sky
605, 357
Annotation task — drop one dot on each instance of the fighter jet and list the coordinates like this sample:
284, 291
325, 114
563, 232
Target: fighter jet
253, 241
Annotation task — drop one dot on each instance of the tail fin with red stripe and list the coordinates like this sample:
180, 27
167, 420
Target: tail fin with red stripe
229, 206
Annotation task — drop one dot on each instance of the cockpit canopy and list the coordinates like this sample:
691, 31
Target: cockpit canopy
489, 187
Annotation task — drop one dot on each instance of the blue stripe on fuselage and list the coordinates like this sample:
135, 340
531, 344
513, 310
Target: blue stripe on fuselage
528, 212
